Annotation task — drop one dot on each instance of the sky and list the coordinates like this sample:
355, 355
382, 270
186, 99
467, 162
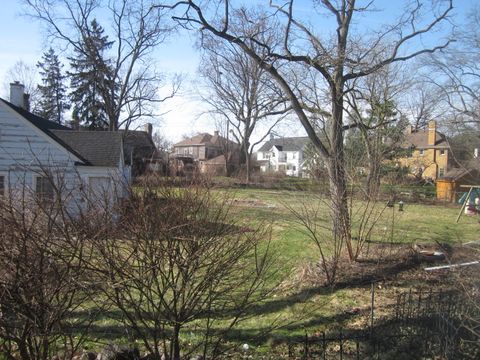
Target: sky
23, 38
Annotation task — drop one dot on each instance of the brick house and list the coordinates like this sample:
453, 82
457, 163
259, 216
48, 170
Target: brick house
207, 152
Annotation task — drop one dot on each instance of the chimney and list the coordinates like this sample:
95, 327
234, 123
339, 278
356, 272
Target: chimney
409, 129
215, 133
272, 136
148, 129
17, 95
432, 132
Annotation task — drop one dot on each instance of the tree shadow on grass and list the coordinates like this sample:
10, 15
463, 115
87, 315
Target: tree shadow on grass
354, 279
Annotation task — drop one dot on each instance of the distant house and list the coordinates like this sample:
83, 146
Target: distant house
37, 154
430, 155
285, 155
208, 153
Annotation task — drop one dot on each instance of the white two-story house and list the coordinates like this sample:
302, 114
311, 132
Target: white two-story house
285, 155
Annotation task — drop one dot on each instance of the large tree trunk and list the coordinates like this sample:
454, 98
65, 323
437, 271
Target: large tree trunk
336, 172
339, 203
247, 167
245, 159
175, 346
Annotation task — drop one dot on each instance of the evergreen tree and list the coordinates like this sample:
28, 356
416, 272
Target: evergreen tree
53, 99
91, 79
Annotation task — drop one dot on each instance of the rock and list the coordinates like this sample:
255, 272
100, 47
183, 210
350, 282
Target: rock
89, 355
115, 352
149, 356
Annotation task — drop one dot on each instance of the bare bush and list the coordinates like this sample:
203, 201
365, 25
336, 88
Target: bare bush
369, 218
180, 260
43, 257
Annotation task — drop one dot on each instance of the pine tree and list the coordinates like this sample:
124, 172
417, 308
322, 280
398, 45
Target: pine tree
91, 79
53, 100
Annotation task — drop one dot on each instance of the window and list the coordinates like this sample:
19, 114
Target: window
43, 188
422, 152
442, 152
441, 172
294, 168
294, 155
2, 185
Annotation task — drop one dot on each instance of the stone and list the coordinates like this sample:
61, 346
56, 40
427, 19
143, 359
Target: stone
115, 352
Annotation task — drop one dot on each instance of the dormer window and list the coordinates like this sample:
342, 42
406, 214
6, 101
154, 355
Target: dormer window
442, 152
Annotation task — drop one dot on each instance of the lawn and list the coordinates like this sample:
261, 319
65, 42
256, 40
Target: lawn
298, 306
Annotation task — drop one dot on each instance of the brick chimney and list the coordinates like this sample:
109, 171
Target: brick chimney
432, 132
215, 133
18, 96
148, 129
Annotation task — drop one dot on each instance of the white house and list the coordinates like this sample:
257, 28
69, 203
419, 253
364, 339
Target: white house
283, 155
38, 156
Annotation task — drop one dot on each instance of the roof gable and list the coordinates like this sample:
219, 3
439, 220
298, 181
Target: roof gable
206, 140
419, 139
45, 126
286, 144
92, 148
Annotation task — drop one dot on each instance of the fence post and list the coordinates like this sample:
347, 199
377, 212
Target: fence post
372, 307
358, 349
324, 346
306, 346
341, 345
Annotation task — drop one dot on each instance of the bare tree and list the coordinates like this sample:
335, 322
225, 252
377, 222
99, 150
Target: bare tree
456, 73
136, 29
421, 103
180, 259
375, 118
338, 58
26, 74
162, 143
242, 93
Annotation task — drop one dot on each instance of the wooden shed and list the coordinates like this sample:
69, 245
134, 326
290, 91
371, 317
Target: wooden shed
448, 186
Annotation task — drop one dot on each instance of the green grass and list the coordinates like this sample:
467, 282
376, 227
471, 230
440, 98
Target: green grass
312, 310
295, 310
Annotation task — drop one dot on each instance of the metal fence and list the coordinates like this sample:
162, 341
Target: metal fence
422, 325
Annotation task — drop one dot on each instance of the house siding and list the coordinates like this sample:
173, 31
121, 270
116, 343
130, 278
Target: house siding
431, 160
26, 153
288, 162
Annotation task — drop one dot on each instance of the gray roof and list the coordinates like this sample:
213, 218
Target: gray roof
205, 139
99, 148
286, 143
419, 139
